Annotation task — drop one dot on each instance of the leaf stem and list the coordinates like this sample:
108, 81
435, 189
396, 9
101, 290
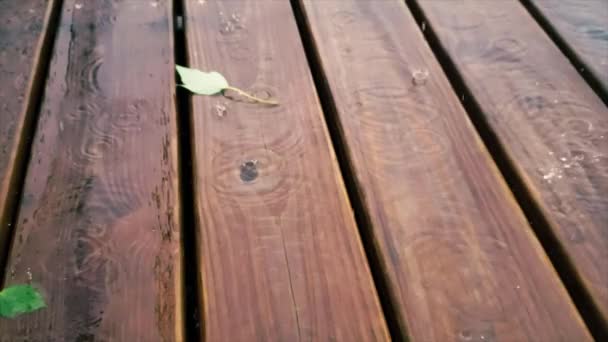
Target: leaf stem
251, 97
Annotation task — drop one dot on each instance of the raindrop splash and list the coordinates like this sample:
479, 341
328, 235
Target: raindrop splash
420, 76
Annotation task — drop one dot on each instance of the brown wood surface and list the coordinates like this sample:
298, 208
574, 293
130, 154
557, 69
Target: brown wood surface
23, 26
461, 261
98, 226
551, 124
280, 253
583, 26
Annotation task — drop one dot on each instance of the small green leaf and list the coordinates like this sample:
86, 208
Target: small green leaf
20, 299
203, 83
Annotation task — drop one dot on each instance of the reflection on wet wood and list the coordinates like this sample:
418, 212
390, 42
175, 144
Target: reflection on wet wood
551, 124
25, 38
461, 261
583, 27
98, 223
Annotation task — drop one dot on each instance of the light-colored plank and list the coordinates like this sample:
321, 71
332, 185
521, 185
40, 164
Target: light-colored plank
280, 253
98, 226
461, 261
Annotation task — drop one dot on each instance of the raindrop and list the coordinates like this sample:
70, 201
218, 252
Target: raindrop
465, 335
227, 27
419, 77
220, 109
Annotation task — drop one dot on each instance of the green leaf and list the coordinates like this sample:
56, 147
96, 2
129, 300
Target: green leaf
199, 82
20, 299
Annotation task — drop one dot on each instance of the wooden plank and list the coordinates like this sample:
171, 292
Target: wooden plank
23, 38
583, 27
461, 261
98, 226
280, 254
552, 126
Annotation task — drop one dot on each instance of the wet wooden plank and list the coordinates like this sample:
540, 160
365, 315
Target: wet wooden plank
583, 27
552, 126
460, 259
98, 224
23, 38
280, 253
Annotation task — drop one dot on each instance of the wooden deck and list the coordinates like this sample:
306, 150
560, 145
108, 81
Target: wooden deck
436, 170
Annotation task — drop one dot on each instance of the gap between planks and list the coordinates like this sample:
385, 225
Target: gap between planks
193, 321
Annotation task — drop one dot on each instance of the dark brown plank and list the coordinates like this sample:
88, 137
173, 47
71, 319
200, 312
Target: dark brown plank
552, 126
23, 39
461, 261
583, 27
280, 254
98, 224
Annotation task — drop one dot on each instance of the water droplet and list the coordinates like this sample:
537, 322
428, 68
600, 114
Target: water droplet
423, 26
220, 109
249, 171
201, 2
419, 76
78, 6
518, 287
227, 27
465, 335
563, 159
29, 275
154, 4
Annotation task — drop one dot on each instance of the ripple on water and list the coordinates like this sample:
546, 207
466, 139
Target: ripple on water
264, 177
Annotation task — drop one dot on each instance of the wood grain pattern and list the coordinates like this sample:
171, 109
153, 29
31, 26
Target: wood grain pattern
551, 124
461, 261
583, 26
98, 226
23, 26
280, 254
